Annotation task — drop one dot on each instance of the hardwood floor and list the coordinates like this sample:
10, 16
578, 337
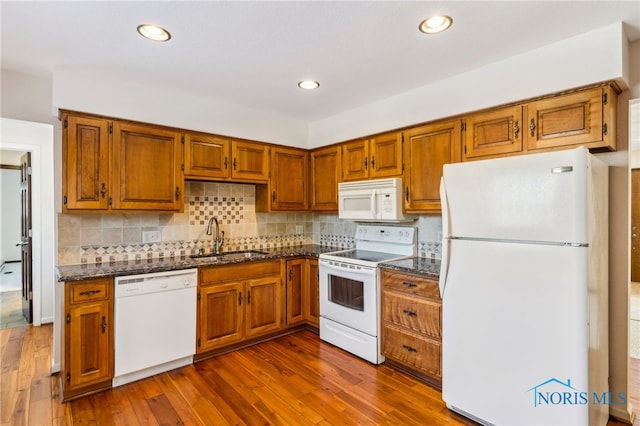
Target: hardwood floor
292, 380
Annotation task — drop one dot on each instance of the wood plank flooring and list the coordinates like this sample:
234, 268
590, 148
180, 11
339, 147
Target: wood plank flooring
292, 380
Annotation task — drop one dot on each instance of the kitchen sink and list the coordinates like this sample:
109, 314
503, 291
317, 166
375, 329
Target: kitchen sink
230, 255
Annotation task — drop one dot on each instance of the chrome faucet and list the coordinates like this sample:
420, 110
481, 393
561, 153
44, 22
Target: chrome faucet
217, 240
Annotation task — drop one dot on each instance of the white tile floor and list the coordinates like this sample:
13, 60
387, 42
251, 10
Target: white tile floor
11, 296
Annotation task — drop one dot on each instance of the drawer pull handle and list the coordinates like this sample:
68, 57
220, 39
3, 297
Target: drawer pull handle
409, 348
89, 292
410, 313
409, 284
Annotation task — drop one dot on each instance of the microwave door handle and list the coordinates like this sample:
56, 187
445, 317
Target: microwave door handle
373, 204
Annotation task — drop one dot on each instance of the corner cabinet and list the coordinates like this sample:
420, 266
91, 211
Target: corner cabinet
377, 157
118, 165
411, 324
87, 336
287, 189
427, 149
326, 172
237, 302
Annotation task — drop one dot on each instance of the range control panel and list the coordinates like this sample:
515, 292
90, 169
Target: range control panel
386, 234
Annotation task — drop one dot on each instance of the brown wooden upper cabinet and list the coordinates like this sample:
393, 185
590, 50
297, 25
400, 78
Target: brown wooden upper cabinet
217, 158
146, 168
206, 156
118, 165
377, 157
428, 148
85, 162
582, 118
287, 188
326, 170
492, 133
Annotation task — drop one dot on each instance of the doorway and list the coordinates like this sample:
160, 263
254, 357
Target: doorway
11, 247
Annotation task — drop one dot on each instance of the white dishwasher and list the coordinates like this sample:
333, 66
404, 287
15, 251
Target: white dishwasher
155, 323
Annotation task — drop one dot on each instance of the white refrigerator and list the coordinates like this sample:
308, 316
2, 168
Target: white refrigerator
524, 282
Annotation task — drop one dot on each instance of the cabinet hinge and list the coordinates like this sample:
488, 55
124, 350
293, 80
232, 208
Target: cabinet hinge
605, 98
68, 319
68, 377
66, 123
110, 128
463, 126
64, 200
604, 129
199, 343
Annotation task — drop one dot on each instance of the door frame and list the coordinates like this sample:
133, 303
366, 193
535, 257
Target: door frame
37, 138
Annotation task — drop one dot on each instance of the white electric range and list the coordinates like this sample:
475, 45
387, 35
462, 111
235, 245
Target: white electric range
350, 288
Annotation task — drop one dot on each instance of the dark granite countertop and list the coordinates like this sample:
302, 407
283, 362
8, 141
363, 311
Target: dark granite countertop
417, 265
145, 266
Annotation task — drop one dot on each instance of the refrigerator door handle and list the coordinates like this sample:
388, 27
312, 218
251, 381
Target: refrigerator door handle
444, 263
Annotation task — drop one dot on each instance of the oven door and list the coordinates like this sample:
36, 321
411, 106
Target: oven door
349, 295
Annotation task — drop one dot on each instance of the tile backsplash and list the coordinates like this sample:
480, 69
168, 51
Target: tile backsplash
96, 238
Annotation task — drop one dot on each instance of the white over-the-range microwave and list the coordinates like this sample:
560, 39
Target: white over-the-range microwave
378, 200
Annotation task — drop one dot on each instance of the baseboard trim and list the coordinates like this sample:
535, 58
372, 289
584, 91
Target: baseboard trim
622, 414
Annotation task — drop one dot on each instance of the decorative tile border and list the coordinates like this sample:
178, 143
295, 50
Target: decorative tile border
340, 241
117, 253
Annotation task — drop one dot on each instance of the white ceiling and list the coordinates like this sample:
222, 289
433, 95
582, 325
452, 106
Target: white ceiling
253, 54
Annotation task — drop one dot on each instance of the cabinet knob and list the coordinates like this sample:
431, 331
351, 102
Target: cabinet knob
177, 193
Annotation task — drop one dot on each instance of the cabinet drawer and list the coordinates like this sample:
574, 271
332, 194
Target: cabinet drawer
84, 291
237, 272
414, 351
410, 283
419, 315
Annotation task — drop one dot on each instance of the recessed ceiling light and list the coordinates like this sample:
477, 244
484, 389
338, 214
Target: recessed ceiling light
153, 32
435, 24
308, 84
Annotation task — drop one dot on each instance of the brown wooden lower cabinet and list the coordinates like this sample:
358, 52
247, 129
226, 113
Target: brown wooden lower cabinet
87, 336
411, 324
237, 302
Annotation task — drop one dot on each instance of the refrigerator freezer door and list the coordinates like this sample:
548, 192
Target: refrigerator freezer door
514, 327
540, 197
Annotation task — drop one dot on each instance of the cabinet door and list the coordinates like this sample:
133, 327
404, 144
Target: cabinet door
312, 294
427, 149
206, 156
493, 133
355, 160
264, 306
573, 119
89, 353
296, 277
146, 164
220, 315
289, 177
386, 155
85, 158
250, 161
326, 169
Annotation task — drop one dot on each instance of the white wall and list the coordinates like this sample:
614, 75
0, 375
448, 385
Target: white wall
124, 99
10, 214
592, 57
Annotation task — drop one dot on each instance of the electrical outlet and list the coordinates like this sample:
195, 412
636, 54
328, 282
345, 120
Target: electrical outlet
299, 229
151, 236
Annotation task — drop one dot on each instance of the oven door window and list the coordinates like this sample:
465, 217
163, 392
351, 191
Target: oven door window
346, 292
